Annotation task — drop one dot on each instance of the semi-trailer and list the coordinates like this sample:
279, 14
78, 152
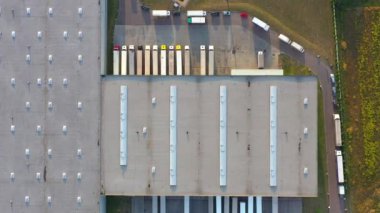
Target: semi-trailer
260, 59
116, 59
139, 59
124, 60
196, 20
171, 60
339, 162
178, 54
338, 136
284, 38
191, 13
187, 60
203, 60
155, 60
211, 60
131, 60
260, 23
147, 60
163, 59
160, 13
297, 47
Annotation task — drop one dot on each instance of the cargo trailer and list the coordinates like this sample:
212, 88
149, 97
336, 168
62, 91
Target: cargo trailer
178, 54
203, 60
171, 60
196, 20
124, 60
147, 60
160, 13
155, 60
116, 59
284, 38
297, 47
187, 60
191, 13
340, 169
260, 23
163, 59
131, 60
211, 60
139, 60
338, 136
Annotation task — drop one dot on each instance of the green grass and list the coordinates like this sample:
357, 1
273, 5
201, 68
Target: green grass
319, 204
119, 204
112, 12
292, 67
307, 22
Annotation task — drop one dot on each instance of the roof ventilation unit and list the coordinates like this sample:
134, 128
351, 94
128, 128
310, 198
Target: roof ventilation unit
64, 129
28, 11
50, 82
27, 200
48, 199
39, 34
65, 34
144, 130
13, 128
64, 82
13, 34
305, 171
154, 100
64, 176
27, 153
27, 105
38, 176
79, 200
50, 105
13, 82
39, 82
80, 11
79, 176
27, 58
38, 129
79, 105
50, 11
305, 131
50, 152
80, 35
305, 101
50, 58
12, 176
79, 153
80, 59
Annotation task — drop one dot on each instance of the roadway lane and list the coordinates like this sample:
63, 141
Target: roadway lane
130, 13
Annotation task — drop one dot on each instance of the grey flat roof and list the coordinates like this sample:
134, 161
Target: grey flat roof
82, 125
198, 136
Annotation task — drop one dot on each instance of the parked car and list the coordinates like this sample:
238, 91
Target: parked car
226, 13
145, 8
215, 13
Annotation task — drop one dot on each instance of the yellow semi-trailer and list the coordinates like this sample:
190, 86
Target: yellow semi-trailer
171, 60
147, 60
155, 60
163, 59
116, 59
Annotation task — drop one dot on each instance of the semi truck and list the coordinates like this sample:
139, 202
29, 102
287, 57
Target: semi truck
163, 59
260, 59
160, 13
139, 59
116, 59
171, 60
187, 60
338, 136
147, 60
211, 60
155, 60
191, 13
339, 163
260, 23
284, 38
297, 47
124, 60
203, 60
196, 20
178, 54
131, 60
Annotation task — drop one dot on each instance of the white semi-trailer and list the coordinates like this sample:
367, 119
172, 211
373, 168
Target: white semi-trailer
131, 60
124, 60
260, 23
211, 68
203, 60
339, 162
187, 60
260, 60
116, 59
155, 60
139, 59
163, 59
160, 13
338, 136
147, 60
178, 55
196, 20
191, 13
297, 47
284, 38
171, 60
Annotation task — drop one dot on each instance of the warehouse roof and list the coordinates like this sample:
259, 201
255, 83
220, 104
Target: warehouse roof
251, 104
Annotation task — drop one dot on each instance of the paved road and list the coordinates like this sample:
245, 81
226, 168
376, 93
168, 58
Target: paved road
130, 13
